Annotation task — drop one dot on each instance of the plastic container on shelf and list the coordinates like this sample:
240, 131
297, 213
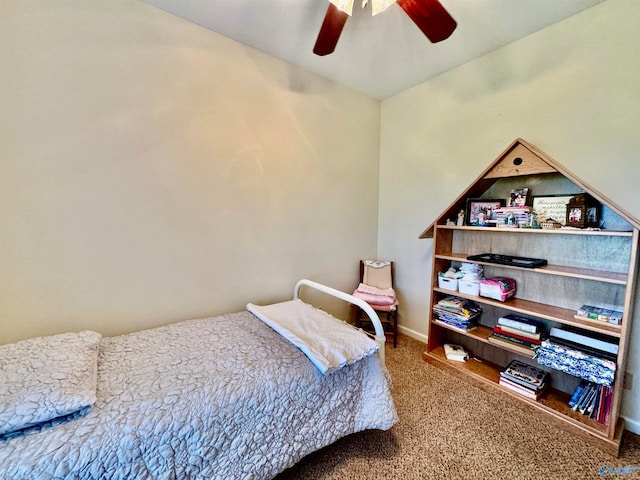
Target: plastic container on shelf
498, 288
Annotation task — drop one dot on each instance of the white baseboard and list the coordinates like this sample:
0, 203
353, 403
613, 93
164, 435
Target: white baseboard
632, 425
421, 337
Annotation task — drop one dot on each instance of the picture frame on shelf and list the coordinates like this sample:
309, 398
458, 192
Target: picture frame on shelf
518, 197
551, 206
481, 211
583, 211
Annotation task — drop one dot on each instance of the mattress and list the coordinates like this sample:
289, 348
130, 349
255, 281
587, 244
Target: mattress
218, 398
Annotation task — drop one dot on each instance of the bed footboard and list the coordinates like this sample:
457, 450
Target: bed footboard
375, 320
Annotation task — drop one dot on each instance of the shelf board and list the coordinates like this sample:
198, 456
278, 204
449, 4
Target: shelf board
541, 231
482, 333
551, 401
541, 310
559, 270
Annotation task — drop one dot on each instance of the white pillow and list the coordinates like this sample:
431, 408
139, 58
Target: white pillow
47, 377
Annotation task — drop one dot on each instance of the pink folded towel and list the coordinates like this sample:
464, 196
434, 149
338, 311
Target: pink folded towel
375, 296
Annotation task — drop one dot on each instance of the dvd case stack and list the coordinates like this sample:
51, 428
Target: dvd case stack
524, 379
457, 313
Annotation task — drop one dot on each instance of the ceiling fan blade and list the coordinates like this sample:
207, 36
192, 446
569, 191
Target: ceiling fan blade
430, 17
330, 30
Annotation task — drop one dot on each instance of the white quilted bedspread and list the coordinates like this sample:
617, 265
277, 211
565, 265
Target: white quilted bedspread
219, 398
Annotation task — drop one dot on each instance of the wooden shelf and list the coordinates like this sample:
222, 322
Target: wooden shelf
560, 270
541, 310
541, 231
552, 401
552, 292
481, 334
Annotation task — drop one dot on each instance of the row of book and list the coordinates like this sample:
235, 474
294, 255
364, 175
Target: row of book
457, 313
524, 379
518, 333
593, 400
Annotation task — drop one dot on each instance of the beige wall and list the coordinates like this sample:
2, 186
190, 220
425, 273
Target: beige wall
151, 171
572, 90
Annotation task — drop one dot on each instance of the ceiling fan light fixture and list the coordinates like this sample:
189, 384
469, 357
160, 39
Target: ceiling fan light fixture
378, 6
344, 5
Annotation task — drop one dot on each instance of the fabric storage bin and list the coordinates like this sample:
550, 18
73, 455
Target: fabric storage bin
469, 287
447, 283
498, 288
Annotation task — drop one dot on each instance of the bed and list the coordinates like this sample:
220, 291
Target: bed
226, 397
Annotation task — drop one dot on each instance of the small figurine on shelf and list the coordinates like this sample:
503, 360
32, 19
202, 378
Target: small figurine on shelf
460, 221
532, 220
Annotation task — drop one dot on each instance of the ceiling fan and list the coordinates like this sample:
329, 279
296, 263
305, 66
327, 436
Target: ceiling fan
429, 15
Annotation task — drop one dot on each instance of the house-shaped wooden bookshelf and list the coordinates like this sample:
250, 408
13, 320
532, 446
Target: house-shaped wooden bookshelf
585, 266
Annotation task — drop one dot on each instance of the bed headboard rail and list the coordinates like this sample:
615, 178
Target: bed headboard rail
375, 320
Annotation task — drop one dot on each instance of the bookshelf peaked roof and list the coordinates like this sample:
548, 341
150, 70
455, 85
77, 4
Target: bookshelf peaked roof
521, 158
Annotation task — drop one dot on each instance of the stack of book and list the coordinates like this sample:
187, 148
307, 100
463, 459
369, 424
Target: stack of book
457, 313
511, 217
518, 333
593, 400
524, 379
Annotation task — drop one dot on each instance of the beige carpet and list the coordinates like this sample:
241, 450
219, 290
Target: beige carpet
451, 429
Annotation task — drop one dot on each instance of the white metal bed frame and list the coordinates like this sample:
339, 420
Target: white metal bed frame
375, 320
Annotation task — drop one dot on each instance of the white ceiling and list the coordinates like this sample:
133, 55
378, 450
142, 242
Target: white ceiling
379, 56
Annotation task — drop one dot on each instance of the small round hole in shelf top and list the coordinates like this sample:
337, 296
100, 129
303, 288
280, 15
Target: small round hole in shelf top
517, 161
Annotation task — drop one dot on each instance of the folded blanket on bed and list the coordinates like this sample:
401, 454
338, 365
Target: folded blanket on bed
329, 342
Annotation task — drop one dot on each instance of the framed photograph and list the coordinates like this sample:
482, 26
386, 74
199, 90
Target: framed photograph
583, 211
481, 211
518, 197
551, 206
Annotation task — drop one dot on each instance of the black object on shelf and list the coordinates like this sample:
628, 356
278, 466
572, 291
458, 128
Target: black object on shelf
525, 262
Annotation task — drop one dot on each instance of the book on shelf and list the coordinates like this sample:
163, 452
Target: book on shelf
525, 374
500, 333
520, 322
521, 349
582, 396
607, 406
577, 393
594, 411
533, 336
458, 306
454, 326
588, 400
592, 339
450, 317
533, 394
